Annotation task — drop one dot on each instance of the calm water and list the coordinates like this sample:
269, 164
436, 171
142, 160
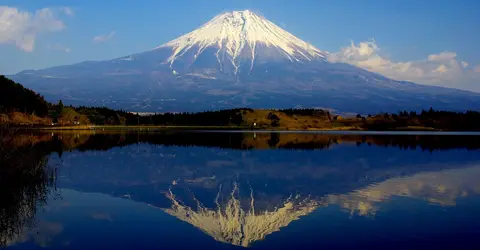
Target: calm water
236, 190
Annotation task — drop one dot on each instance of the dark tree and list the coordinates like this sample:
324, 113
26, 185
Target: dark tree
14, 97
60, 108
275, 120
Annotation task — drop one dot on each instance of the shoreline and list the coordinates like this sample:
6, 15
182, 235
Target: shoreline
193, 127
249, 120
156, 128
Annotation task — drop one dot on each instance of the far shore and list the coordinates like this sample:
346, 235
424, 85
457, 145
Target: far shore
239, 128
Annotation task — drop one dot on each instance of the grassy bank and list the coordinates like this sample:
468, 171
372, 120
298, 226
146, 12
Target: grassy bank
138, 128
198, 128
264, 119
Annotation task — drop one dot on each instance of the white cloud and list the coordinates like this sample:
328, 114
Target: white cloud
104, 37
59, 47
442, 57
442, 69
21, 28
68, 11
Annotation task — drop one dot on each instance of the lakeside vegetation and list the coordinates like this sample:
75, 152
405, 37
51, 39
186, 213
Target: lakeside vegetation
24, 108
27, 182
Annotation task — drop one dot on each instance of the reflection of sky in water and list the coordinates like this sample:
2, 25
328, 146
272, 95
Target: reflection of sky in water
144, 196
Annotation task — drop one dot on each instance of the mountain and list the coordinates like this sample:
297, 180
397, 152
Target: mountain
235, 42
237, 59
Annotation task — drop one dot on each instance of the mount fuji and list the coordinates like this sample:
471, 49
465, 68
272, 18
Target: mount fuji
237, 59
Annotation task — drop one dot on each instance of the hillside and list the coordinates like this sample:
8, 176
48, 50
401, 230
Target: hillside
306, 119
20, 106
23, 119
38, 112
288, 119
15, 98
238, 59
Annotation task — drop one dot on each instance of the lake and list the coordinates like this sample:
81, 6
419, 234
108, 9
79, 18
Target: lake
231, 190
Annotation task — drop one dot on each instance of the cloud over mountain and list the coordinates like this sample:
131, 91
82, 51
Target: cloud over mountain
241, 59
103, 37
442, 69
21, 28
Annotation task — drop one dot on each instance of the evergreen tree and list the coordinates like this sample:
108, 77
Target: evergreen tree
14, 97
60, 107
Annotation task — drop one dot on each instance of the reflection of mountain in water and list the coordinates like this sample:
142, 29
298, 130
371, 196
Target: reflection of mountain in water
237, 224
231, 223
241, 196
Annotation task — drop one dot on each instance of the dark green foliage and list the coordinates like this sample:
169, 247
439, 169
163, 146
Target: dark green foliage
60, 107
272, 116
275, 120
207, 118
443, 120
14, 97
446, 120
106, 116
307, 112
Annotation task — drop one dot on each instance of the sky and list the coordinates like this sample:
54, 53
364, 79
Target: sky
427, 42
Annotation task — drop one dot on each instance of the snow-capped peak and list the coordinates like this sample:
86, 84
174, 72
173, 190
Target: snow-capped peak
239, 35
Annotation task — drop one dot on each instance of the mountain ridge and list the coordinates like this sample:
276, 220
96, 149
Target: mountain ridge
236, 34
237, 59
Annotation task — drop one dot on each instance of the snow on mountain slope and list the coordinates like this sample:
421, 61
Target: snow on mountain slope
237, 59
235, 36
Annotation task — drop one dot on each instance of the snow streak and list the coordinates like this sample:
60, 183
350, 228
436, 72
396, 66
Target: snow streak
237, 34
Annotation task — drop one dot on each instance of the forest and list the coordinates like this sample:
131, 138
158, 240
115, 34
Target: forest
17, 101
15, 97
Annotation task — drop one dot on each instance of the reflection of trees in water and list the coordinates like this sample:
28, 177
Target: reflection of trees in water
26, 182
274, 139
260, 140
234, 217
103, 141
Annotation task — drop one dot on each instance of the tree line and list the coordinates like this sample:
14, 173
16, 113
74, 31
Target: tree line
15, 97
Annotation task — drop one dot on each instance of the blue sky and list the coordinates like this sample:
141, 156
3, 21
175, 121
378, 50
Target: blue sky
405, 32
